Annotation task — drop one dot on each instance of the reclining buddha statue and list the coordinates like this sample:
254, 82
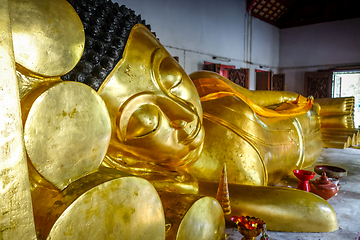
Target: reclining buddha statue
100, 156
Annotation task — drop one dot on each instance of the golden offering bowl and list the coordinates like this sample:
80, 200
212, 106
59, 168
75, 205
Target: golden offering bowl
249, 227
249, 234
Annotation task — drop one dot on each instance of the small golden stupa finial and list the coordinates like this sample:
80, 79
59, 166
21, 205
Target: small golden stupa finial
223, 192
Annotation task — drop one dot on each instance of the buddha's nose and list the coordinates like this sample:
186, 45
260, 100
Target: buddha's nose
178, 124
187, 127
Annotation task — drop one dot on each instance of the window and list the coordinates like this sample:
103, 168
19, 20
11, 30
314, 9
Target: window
345, 84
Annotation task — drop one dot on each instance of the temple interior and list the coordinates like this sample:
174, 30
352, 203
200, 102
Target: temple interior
310, 37
313, 36
111, 129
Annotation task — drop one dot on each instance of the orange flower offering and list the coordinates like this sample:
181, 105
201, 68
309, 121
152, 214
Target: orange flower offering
248, 222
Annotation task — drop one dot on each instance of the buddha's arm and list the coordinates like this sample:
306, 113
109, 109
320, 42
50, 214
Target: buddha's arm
282, 209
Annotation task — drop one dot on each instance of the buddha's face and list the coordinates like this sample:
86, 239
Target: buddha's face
154, 107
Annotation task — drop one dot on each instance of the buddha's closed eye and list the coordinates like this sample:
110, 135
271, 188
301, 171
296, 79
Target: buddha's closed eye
170, 75
144, 121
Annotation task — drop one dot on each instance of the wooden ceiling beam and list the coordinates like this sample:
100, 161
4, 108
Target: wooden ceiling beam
250, 5
264, 19
286, 3
308, 12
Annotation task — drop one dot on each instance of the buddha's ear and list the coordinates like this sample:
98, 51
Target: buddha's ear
48, 36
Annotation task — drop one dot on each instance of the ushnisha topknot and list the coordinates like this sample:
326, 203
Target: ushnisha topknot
107, 27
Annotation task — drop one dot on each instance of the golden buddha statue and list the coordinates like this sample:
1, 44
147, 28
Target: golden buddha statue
67, 131
146, 120
145, 94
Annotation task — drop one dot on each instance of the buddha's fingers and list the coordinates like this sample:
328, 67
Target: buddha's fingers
192, 217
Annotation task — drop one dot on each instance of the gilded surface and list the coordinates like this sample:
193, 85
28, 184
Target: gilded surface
337, 122
208, 217
16, 215
123, 208
192, 217
153, 104
263, 149
337, 112
48, 36
65, 139
282, 209
67, 132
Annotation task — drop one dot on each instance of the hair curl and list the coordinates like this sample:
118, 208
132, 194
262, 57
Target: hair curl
107, 27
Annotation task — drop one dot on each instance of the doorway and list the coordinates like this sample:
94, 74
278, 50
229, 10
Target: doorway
267, 80
345, 84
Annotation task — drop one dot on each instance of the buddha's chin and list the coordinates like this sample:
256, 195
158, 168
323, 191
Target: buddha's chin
135, 161
192, 156
198, 140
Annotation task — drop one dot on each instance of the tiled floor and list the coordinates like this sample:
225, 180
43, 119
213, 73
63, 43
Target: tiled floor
346, 203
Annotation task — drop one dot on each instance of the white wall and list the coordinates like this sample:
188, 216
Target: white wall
265, 44
318, 46
265, 47
198, 30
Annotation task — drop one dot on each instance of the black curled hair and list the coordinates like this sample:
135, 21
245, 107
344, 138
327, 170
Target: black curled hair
107, 27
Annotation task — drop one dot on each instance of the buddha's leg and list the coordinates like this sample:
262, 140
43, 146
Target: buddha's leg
282, 209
